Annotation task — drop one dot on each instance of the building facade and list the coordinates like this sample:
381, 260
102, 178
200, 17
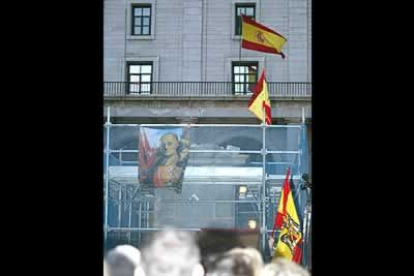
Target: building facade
181, 61
184, 60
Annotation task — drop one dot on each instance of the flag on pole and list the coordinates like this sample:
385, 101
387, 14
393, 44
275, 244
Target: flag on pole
260, 38
290, 238
260, 100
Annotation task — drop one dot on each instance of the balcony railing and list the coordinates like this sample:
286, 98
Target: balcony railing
201, 89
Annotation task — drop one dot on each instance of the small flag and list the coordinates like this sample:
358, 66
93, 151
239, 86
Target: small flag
260, 100
287, 220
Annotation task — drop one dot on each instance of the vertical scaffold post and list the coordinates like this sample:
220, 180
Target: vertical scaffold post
264, 230
108, 127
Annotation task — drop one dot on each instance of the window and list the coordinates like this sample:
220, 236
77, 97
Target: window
244, 77
248, 9
141, 20
139, 77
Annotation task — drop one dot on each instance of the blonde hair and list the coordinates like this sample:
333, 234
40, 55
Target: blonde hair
254, 256
171, 251
123, 260
284, 267
237, 261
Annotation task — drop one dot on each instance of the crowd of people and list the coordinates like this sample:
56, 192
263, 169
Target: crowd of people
173, 252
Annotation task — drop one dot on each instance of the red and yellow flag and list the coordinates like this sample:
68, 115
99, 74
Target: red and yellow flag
260, 38
287, 220
260, 100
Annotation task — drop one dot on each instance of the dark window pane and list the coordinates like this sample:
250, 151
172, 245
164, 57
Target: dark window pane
249, 11
252, 79
146, 11
252, 68
251, 87
137, 11
137, 30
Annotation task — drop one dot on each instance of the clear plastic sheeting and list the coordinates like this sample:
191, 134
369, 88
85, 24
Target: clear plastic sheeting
124, 137
283, 138
278, 163
225, 181
226, 138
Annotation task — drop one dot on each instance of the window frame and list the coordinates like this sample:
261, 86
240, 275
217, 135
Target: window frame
133, 19
237, 19
244, 83
257, 12
130, 21
140, 83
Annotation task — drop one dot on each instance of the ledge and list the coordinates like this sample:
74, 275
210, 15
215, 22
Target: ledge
201, 98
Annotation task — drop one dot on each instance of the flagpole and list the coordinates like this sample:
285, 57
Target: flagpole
300, 171
264, 181
108, 127
241, 37
303, 115
306, 226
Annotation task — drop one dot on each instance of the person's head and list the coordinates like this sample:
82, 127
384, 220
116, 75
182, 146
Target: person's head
171, 252
170, 143
236, 262
254, 256
284, 267
123, 260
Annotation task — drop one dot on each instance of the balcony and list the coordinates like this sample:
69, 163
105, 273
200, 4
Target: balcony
203, 89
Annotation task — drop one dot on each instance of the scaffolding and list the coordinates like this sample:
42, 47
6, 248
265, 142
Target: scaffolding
233, 180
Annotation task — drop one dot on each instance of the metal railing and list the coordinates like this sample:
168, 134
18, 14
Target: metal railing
200, 89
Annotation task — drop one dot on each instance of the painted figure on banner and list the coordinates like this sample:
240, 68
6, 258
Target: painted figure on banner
163, 157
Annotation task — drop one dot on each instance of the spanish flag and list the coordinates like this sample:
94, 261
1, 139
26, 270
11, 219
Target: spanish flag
287, 220
260, 100
260, 38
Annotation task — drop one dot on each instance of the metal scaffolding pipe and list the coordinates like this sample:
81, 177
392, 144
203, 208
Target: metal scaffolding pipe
204, 201
201, 151
218, 151
121, 229
263, 230
148, 207
119, 206
108, 127
284, 151
130, 220
213, 182
203, 125
139, 221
